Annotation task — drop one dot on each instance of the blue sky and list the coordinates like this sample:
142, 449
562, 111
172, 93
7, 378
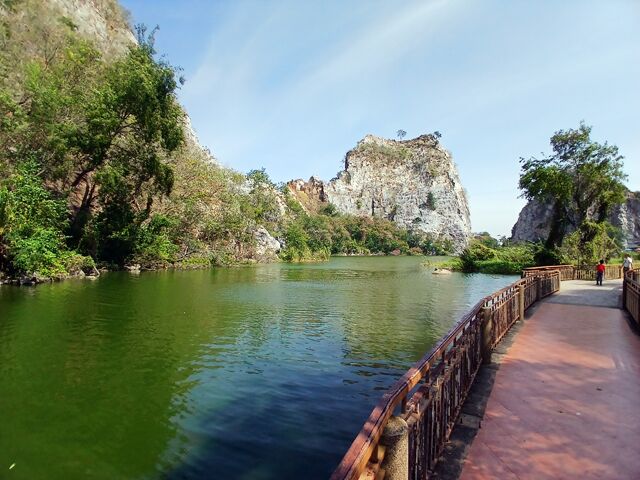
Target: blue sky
293, 85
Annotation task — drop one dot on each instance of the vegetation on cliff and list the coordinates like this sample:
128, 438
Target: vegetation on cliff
95, 168
85, 148
317, 235
583, 181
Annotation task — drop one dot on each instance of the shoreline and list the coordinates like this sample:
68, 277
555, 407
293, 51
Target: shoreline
36, 279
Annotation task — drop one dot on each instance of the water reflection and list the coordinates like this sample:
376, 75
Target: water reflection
262, 372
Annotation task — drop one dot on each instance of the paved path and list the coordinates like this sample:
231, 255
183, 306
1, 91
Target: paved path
566, 401
582, 292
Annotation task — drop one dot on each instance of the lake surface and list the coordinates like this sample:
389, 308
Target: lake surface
264, 372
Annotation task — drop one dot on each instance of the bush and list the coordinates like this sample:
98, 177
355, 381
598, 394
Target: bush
154, 246
39, 253
508, 259
296, 243
499, 266
431, 201
31, 224
329, 210
544, 255
74, 263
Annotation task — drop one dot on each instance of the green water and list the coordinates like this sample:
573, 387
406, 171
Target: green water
264, 372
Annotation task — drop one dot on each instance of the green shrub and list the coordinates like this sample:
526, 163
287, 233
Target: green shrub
591, 243
544, 255
499, 266
31, 224
154, 246
74, 263
296, 243
434, 246
39, 253
507, 259
329, 210
260, 177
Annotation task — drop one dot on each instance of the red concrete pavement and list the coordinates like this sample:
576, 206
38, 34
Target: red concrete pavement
566, 401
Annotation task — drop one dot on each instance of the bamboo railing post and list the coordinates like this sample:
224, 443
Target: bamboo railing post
521, 290
487, 334
395, 439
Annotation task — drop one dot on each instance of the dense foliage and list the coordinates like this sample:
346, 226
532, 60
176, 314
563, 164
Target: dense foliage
485, 254
582, 181
314, 236
86, 144
591, 242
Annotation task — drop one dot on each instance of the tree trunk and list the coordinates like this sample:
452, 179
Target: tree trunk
81, 217
558, 227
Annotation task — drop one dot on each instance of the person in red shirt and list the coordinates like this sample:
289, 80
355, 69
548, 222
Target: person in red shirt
600, 272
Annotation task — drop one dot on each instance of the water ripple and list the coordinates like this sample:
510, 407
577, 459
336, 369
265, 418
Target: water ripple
262, 372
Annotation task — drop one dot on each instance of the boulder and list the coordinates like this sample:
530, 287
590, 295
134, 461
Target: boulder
266, 246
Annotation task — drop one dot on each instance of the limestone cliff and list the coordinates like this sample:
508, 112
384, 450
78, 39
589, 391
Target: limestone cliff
104, 22
535, 219
414, 183
534, 222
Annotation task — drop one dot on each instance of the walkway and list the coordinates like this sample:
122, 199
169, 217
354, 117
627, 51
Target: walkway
566, 397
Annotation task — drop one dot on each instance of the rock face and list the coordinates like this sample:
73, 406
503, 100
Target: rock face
413, 183
627, 218
310, 194
103, 21
534, 221
267, 247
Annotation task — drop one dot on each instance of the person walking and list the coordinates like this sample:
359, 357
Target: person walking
600, 268
627, 264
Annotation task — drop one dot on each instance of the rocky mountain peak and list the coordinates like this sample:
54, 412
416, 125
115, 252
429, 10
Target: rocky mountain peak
414, 183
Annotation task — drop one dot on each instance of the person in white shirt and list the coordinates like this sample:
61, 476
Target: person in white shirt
627, 263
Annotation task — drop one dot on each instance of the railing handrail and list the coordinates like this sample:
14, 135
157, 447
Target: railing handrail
360, 452
369, 435
631, 294
632, 275
575, 272
549, 267
567, 265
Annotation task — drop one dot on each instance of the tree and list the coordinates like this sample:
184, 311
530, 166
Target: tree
130, 125
260, 178
487, 240
582, 180
401, 134
102, 132
591, 242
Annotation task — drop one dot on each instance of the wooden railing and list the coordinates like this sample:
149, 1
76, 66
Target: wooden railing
580, 272
631, 294
567, 272
430, 395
